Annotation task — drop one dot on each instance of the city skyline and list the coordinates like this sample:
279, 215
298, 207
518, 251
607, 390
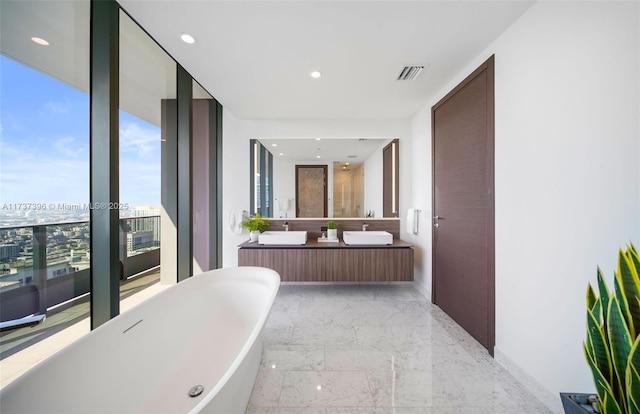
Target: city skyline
44, 144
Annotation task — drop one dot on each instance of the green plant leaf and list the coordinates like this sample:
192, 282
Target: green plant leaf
632, 247
591, 297
632, 253
620, 343
610, 405
605, 296
256, 223
623, 304
593, 303
602, 386
597, 340
629, 284
633, 379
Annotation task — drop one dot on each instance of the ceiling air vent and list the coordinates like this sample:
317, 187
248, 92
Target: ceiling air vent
409, 72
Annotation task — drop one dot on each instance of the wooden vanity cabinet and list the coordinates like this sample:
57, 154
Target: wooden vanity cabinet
339, 263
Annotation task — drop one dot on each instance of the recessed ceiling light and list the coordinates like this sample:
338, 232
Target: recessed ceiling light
317, 156
40, 41
281, 153
187, 38
315, 74
274, 145
317, 139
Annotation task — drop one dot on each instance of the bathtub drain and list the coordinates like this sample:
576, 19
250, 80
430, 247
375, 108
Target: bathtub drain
195, 391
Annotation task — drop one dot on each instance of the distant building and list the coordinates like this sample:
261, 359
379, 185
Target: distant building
144, 211
145, 223
9, 251
139, 240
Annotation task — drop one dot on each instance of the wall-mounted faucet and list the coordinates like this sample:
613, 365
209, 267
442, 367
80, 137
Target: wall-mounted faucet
364, 226
286, 226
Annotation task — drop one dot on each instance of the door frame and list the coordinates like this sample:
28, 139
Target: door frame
326, 178
391, 181
488, 67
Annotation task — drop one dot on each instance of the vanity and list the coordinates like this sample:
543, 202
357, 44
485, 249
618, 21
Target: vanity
321, 261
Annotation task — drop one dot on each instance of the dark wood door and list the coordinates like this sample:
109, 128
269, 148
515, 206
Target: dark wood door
390, 179
463, 205
311, 191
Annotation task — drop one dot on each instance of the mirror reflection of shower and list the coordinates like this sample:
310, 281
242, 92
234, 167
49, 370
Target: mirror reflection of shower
348, 189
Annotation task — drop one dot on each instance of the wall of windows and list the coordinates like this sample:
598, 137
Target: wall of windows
58, 157
147, 77
44, 157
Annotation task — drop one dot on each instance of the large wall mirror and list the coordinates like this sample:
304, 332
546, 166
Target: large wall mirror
323, 177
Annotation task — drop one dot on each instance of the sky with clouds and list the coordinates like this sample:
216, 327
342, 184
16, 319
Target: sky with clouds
44, 143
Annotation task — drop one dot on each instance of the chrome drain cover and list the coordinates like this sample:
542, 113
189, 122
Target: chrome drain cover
195, 391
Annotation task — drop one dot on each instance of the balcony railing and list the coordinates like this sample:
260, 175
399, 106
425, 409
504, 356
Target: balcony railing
43, 265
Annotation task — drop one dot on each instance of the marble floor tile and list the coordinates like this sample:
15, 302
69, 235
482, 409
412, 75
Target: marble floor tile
377, 410
376, 349
266, 389
401, 388
409, 319
287, 306
389, 336
292, 358
357, 358
450, 358
277, 336
304, 319
286, 410
330, 305
325, 389
471, 409
323, 335
354, 318
437, 335
415, 306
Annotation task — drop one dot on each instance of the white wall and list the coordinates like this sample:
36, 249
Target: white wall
420, 160
235, 184
238, 132
567, 176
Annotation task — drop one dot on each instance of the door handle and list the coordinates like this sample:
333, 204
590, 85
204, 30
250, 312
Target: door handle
437, 218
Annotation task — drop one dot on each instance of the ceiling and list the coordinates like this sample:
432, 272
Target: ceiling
255, 56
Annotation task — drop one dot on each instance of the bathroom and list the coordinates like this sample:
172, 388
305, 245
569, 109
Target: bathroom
550, 201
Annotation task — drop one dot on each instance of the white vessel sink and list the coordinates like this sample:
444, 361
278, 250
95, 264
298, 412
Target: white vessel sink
367, 237
283, 237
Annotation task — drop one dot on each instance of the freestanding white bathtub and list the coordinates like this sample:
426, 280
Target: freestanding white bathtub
205, 331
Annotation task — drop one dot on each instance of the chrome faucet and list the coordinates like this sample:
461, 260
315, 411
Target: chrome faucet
364, 226
286, 226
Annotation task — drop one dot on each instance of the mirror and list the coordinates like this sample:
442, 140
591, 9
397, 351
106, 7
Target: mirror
348, 173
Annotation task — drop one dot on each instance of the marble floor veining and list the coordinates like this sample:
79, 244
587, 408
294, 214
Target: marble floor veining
380, 349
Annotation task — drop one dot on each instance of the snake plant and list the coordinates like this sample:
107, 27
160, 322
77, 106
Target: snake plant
612, 347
